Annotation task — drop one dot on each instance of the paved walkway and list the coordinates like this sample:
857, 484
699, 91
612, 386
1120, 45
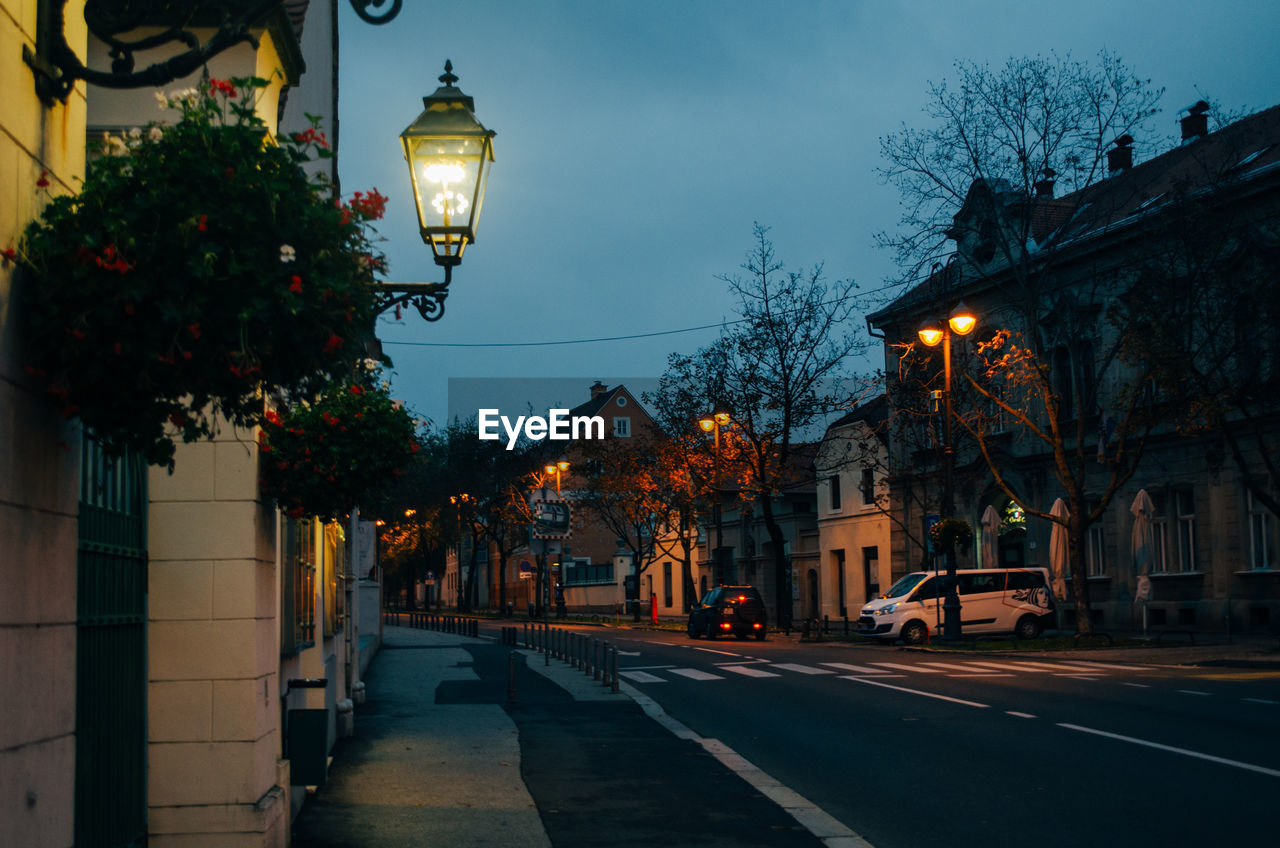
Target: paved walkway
441, 758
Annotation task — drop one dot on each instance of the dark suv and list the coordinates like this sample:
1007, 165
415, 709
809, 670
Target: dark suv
729, 609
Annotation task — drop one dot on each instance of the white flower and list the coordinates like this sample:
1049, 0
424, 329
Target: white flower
135, 133
155, 133
287, 253
162, 100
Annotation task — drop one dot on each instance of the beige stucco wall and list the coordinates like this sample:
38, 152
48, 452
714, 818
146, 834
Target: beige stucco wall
39, 474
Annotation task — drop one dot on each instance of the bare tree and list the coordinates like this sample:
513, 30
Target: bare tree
777, 372
978, 183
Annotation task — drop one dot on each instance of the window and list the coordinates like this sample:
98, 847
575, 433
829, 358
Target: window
842, 588
997, 419
1095, 548
871, 570
297, 595
666, 585
1062, 381
335, 568
1185, 515
833, 486
1260, 551
1160, 534
868, 486
621, 427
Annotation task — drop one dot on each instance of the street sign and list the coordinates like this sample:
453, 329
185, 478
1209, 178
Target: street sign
550, 519
431, 578
525, 570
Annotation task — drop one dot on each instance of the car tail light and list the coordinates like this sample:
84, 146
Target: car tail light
724, 625
757, 625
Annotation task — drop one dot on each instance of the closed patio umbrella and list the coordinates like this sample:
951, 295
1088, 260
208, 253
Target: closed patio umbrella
1058, 550
1142, 544
990, 537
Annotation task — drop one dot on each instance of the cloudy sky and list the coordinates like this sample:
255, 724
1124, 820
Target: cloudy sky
637, 142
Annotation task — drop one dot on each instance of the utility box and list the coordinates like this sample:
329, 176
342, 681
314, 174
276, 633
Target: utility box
308, 749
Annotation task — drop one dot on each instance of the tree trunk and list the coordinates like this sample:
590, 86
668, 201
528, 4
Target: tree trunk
1077, 539
781, 565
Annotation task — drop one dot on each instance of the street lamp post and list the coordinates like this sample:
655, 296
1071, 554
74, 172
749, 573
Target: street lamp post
449, 153
712, 424
460, 501
961, 322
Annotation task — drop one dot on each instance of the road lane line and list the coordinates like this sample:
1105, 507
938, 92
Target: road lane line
830, 830
980, 674
1113, 665
872, 682
863, 669
696, 674
1184, 751
749, 671
1137, 685
1192, 692
1014, 666
722, 653
1018, 714
902, 667
802, 669
953, 667
1260, 701
641, 677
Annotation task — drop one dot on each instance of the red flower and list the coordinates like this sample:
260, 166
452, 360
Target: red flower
333, 344
229, 172
35, 372
296, 285
372, 205
204, 224
177, 419
194, 330
43, 182
357, 390
9, 253
217, 86
273, 417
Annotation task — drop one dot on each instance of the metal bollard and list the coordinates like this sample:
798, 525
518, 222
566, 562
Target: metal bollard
613, 677
595, 657
588, 654
526, 634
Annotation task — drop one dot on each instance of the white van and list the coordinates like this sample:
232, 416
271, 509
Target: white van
992, 600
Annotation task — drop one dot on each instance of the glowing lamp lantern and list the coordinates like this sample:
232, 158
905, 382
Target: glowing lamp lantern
930, 335
962, 320
449, 153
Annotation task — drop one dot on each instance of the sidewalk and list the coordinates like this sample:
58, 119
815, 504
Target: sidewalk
441, 758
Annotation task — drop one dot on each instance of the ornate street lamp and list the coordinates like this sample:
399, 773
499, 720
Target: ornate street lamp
556, 469
712, 424
961, 322
448, 152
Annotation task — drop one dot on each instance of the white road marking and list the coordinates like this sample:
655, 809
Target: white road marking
641, 677
721, 653
828, 829
1112, 665
901, 667
1260, 701
872, 682
981, 674
628, 653
802, 669
1137, 685
1014, 666
696, 674
952, 666
858, 668
1193, 692
1184, 751
749, 671
1018, 714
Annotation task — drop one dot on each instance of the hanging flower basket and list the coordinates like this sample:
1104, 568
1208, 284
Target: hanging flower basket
324, 457
951, 534
198, 266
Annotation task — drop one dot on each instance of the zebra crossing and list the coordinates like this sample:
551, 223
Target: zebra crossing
755, 668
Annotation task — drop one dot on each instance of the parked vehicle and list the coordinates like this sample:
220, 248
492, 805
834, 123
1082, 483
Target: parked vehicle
737, 610
995, 600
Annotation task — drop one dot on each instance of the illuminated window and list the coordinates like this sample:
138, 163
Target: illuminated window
297, 595
335, 569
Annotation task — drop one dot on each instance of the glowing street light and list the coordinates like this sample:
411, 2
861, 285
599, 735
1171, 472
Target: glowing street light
961, 322
712, 424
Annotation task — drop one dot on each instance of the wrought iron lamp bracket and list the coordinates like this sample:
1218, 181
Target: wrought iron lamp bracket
427, 298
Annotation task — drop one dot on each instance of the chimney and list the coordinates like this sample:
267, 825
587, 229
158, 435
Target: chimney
598, 389
1044, 187
1196, 123
1120, 158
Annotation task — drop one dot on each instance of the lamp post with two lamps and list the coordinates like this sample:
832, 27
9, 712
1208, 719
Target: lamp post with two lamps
961, 322
712, 424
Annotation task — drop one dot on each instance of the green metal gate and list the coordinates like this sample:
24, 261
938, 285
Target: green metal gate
111, 652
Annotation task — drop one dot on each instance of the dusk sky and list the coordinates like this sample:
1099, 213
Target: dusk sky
637, 142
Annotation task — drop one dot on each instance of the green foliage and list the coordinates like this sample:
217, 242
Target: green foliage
198, 266
322, 458
950, 534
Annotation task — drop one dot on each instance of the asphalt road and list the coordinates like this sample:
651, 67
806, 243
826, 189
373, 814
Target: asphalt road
913, 749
